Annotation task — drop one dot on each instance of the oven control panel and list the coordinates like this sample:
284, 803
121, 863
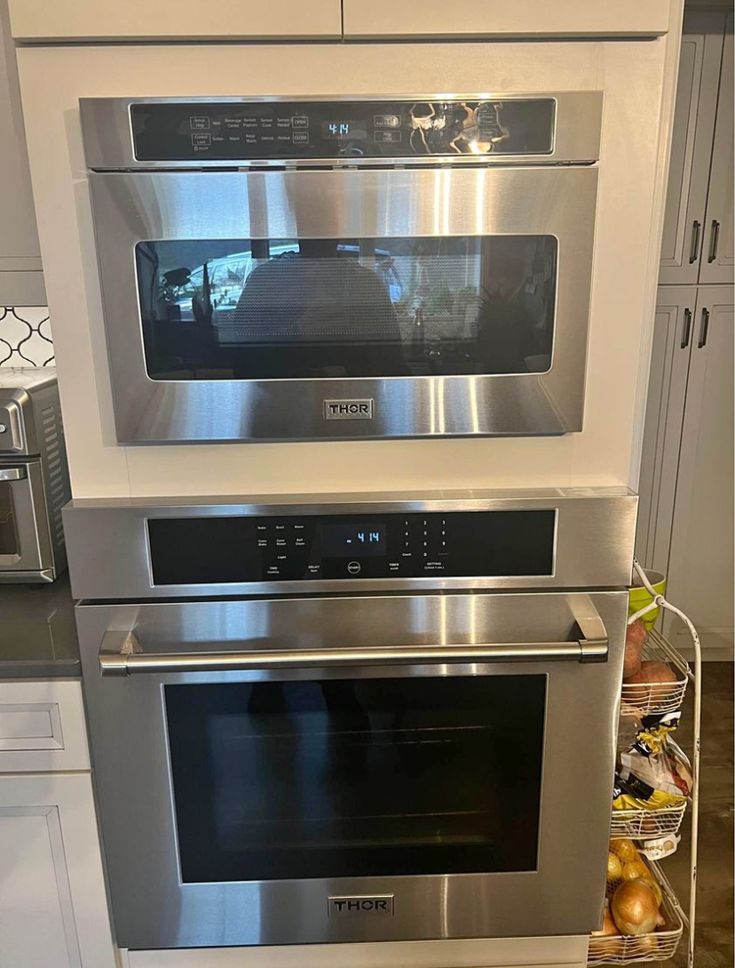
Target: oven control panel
243, 131
221, 550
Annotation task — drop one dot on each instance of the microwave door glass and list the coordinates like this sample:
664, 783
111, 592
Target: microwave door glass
249, 309
357, 777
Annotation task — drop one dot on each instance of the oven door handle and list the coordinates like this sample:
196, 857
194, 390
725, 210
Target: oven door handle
122, 654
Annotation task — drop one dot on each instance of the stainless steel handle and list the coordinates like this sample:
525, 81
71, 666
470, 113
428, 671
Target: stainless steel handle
13, 474
687, 329
694, 246
703, 329
122, 655
714, 240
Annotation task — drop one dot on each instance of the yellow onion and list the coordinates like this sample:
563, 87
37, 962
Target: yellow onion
608, 926
648, 879
614, 867
625, 849
633, 869
634, 907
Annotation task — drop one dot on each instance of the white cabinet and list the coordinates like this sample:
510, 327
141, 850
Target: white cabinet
691, 149
685, 524
672, 338
88, 20
42, 726
480, 18
700, 560
21, 281
717, 258
52, 893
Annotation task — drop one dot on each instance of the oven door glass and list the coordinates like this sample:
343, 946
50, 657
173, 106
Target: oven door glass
330, 778
223, 309
9, 545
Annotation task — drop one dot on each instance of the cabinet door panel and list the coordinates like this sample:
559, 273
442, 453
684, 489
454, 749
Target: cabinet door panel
468, 18
717, 257
701, 562
672, 340
87, 20
691, 145
52, 893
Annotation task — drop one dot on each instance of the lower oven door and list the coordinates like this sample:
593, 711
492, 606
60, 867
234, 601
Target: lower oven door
364, 768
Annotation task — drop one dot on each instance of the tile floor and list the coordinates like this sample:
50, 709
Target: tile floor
714, 931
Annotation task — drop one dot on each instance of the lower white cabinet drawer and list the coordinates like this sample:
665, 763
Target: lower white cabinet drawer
42, 726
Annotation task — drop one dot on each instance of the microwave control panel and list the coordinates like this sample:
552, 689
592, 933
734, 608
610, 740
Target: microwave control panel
244, 549
243, 131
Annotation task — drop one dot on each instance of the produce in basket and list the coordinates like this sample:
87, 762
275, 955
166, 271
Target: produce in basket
635, 638
608, 927
652, 683
614, 868
625, 849
634, 907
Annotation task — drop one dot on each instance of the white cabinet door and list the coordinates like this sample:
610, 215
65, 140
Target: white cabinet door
88, 20
672, 340
691, 147
480, 18
53, 910
701, 561
717, 255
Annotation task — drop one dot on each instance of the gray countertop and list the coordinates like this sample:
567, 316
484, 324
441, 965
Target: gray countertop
37, 633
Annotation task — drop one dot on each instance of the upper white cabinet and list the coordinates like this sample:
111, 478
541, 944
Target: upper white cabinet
501, 18
690, 236
21, 282
717, 257
69, 20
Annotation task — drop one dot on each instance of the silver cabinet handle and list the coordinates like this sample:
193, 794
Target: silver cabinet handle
121, 655
714, 240
13, 473
687, 332
703, 329
694, 246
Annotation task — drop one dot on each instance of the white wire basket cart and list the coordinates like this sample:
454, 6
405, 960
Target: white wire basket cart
645, 825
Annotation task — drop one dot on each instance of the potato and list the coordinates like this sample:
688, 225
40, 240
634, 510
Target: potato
653, 683
635, 638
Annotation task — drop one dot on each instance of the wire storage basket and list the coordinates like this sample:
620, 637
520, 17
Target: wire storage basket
626, 949
657, 697
641, 824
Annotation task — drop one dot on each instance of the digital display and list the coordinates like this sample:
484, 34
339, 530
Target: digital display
342, 130
353, 540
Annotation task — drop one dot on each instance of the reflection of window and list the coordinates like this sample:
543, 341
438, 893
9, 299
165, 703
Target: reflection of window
388, 307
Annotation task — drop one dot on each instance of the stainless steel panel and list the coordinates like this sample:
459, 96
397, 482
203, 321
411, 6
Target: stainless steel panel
123, 654
151, 906
594, 539
108, 142
129, 208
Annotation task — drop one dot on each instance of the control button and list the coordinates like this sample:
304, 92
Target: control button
387, 137
354, 567
300, 543
199, 123
280, 542
280, 527
262, 542
261, 527
300, 137
3, 429
300, 121
313, 569
201, 140
386, 121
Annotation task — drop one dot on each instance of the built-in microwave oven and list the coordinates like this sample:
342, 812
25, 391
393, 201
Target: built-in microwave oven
277, 269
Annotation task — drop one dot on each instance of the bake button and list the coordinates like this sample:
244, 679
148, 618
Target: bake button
354, 567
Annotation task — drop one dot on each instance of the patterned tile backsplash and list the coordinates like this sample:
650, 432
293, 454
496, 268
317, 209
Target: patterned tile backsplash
25, 336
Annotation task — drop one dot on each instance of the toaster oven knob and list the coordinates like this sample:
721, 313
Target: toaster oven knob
3, 429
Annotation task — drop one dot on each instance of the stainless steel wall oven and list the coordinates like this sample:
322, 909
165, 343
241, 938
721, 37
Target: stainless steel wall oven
305, 269
382, 719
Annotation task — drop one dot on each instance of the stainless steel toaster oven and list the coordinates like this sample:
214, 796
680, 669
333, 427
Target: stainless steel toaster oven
34, 480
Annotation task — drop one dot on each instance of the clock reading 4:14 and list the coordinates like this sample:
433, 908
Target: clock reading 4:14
338, 128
